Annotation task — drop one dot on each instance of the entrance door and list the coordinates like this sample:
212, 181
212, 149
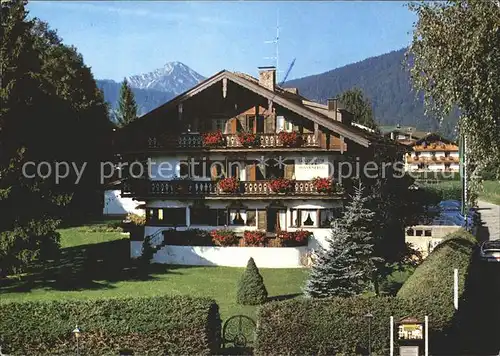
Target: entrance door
272, 219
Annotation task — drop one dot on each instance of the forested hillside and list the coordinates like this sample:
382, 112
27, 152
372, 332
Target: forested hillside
385, 81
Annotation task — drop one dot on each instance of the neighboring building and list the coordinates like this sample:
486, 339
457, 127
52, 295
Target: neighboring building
433, 153
430, 152
116, 205
287, 137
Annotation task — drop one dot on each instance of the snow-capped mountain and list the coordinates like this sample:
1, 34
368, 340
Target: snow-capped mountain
174, 77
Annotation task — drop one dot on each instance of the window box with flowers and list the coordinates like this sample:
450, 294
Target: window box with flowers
323, 185
248, 139
254, 238
289, 139
224, 237
213, 139
294, 238
282, 185
229, 185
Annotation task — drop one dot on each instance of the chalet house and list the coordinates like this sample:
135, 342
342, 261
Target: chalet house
428, 151
241, 154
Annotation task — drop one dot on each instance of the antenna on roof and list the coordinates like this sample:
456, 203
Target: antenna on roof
276, 42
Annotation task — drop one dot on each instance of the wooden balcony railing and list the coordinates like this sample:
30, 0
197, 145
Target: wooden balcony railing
210, 188
266, 140
436, 159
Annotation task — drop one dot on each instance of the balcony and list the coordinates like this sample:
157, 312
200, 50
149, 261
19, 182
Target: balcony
210, 189
232, 141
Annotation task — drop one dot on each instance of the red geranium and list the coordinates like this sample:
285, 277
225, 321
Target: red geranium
213, 138
281, 185
248, 139
296, 236
229, 185
254, 238
323, 185
224, 237
288, 138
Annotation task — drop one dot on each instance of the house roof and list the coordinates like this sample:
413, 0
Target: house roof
280, 96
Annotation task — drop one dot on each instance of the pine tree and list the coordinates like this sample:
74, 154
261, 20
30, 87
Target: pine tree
127, 107
251, 288
346, 266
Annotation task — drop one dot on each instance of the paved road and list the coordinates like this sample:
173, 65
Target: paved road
490, 216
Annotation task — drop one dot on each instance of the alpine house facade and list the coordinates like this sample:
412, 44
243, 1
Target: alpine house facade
245, 159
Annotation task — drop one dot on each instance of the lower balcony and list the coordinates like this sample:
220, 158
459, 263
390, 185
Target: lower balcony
275, 189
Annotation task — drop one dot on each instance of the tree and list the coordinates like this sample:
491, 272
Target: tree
127, 107
454, 59
361, 107
251, 288
27, 226
345, 268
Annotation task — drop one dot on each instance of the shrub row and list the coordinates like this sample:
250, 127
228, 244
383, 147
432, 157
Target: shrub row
443, 191
153, 326
337, 326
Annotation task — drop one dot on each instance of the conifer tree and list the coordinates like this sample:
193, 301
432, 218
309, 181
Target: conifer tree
346, 266
251, 288
127, 107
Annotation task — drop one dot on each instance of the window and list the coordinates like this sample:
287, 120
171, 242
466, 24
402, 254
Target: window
314, 217
251, 218
237, 217
327, 216
219, 124
200, 216
166, 216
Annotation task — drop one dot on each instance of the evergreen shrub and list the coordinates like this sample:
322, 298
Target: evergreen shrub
251, 288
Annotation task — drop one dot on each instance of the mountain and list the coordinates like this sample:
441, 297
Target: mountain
175, 77
386, 82
147, 100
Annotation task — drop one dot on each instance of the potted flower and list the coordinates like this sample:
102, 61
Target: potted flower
248, 139
289, 139
254, 238
281, 185
224, 237
229, 185
213, 139
323, 185
294, 238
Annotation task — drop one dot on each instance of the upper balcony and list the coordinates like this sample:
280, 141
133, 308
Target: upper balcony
275, 189
216, 141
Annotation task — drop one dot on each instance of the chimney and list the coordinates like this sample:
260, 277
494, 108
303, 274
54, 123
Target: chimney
332, 104
292, 90
267, 77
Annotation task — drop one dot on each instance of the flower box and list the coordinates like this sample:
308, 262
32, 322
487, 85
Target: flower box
294, 238
323, 185
248, 139
213, 139
254, 238
282, 185
229, 185
289, 139
224, 237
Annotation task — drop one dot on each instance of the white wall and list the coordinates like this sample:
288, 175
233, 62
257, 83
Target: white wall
114, 204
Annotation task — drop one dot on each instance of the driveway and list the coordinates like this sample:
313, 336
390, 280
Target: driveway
490, 218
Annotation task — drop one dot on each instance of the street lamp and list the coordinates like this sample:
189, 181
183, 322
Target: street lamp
77, 332
369, 316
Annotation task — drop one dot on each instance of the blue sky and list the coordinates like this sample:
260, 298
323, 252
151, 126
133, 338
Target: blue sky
124, 38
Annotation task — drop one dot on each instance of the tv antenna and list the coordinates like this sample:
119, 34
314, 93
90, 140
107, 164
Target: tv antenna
276, 43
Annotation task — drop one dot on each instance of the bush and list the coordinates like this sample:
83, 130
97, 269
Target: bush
224, 237
153, 326
251, 288
135, 219
336, 325
443, 191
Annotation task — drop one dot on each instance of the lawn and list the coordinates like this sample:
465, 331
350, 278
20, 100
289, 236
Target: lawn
491, 192
94, 263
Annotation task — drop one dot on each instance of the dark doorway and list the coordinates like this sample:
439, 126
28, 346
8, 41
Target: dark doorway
272, 218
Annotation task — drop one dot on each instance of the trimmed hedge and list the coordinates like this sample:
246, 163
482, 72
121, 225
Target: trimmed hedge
337, 325
173, 325
451, 190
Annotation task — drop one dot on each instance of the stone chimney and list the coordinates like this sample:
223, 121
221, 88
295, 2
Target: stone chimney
267, 77
333, 104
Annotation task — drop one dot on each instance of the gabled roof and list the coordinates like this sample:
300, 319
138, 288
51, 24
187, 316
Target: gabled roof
280, 96
436, 135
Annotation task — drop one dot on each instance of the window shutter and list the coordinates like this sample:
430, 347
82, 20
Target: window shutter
269, 124
233, 125
289, 169
251, 173
262, 220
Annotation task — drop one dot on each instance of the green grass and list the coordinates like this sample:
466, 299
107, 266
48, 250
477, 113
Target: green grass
491, 192
94, 263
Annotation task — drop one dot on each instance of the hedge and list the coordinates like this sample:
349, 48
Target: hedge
451, 190
173, 325
337, 326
